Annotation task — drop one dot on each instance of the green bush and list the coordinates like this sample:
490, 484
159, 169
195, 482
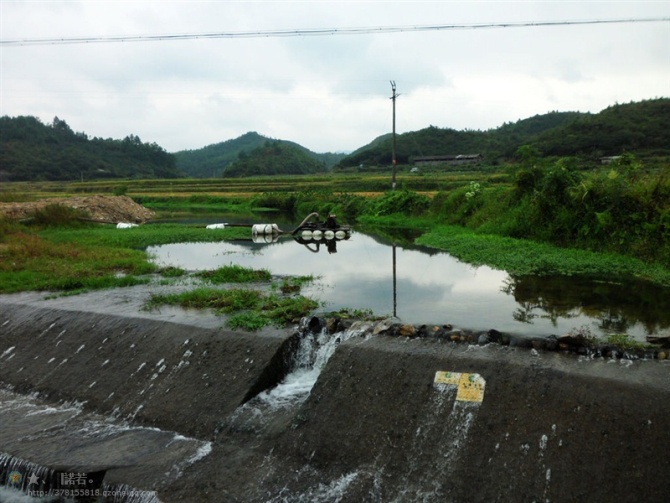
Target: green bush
58, 215
120, 190
398, 201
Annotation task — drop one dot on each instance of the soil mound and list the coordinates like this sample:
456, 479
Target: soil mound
110, 209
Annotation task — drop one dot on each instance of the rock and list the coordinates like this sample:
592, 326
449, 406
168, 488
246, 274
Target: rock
663, 340
483, 340
538, 343
551, 343
572, 342
334, 325
472, 337
520, 342
423, 331
315, 325
385, 326
454, 335
494, 335
407, 331
361, 327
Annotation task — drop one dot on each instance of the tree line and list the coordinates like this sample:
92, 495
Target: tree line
32, 150
642, 128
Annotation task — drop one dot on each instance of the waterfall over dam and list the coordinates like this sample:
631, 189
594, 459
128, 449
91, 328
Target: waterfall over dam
174, 412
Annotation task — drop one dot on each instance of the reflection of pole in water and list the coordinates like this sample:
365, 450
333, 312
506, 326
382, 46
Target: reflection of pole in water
395, 296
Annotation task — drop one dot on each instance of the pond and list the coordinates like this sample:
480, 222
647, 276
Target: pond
425, 286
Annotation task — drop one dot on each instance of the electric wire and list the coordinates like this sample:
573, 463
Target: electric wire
315, 32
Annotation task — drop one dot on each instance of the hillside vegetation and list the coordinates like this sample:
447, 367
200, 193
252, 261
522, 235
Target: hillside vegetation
274, 158
213, 160
31, 150
642, 128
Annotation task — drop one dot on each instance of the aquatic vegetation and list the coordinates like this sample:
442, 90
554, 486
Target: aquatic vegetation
246, 308
235, 274
525, 257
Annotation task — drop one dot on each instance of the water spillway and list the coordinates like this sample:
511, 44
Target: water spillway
203, 414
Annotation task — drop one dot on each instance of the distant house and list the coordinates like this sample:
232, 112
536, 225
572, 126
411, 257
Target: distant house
610, 159
448, 160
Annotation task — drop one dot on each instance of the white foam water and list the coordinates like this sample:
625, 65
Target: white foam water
311, 357
313, 352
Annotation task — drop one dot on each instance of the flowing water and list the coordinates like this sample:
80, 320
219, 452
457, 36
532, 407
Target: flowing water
65, 435
423, 286
278, 404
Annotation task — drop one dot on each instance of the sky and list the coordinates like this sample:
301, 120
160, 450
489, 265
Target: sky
329, 93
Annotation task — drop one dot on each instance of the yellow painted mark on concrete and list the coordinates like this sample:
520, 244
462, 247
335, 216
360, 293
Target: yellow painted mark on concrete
470, 386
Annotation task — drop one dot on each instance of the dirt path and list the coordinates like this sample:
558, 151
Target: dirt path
101, 208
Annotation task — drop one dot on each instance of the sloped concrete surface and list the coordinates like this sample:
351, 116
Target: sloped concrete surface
376, 426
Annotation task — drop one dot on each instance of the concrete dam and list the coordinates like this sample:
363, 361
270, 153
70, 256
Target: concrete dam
138, 407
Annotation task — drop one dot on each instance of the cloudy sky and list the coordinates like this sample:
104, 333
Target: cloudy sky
331, 92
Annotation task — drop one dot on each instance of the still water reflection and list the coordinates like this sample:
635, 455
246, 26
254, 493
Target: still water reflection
423, 286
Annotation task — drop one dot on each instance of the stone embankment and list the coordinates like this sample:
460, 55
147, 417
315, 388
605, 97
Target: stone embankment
390, 418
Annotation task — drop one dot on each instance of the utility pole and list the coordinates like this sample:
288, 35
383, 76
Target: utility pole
393, 161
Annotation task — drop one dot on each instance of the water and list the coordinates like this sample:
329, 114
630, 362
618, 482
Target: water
276, 406
67, 436
447, 416
422, 286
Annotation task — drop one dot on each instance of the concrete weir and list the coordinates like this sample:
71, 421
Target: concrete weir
186, 411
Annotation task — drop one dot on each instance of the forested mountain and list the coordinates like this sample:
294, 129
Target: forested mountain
213, 160
642, 128
31, 150
275, 158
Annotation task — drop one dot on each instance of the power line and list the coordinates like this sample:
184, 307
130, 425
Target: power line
316, 32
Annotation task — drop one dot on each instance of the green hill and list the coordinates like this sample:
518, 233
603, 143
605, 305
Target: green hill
275, 158
31, 150
642, 128
213, 160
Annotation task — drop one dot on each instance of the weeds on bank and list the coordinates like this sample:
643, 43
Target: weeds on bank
143, 236
293, 284
525, 257
235, 274
59, 252
624, 342
354, 314
246, 308
58, 215
31, 262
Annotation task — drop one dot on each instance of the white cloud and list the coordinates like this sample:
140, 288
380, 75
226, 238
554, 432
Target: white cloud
327, 93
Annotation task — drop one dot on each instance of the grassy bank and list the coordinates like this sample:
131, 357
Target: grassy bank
81, 257
523, 257
76, 258
538, 218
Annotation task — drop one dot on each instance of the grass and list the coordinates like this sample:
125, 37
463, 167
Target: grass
626, 342
88, 256
141, 237
524, 257
235, 274
30, 262
60, 256
247, 308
